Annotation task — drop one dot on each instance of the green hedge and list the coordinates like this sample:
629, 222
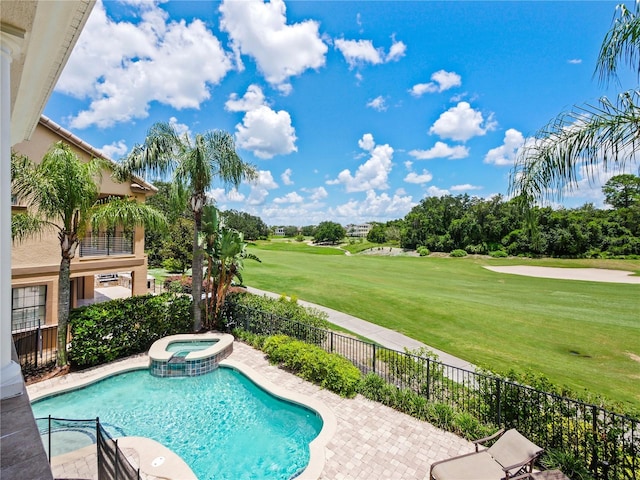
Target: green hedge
269, 316
104, 332
329, 370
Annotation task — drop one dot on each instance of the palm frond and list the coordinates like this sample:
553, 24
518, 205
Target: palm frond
157, 156
606, 134
24, 225
126, 212
621, 44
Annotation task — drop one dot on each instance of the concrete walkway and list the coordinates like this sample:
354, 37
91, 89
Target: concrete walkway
380, 335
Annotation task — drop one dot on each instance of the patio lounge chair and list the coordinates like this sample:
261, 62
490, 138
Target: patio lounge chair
510, 455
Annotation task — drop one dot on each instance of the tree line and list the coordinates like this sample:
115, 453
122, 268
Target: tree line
484, 226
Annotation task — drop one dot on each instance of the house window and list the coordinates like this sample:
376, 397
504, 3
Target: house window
28, 307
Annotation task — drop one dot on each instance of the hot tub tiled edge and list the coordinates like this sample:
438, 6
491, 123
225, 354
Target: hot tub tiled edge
195, 363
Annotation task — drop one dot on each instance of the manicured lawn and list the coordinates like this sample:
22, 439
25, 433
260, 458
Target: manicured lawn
585, 335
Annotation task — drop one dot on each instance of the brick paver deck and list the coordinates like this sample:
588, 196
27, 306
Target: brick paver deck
371, 441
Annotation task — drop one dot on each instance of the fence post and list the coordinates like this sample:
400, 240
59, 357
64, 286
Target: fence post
115, 467
49, 433
98, 448
331, 342
428, 379
374, 358
594, 426
499, 402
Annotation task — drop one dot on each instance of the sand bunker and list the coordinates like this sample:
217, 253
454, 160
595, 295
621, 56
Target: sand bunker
585, 274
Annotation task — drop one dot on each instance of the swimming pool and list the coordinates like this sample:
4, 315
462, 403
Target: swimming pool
220, 423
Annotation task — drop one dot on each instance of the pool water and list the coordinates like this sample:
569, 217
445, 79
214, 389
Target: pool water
221, 423
181, 349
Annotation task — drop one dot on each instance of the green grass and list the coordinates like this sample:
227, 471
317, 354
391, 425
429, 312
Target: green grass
580, 334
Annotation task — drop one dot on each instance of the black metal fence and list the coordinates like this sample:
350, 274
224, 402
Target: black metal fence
36, 348
61, 435
608, 443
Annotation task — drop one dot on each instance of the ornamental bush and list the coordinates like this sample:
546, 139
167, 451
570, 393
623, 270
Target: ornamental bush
458, 253
329, 370
104, 332
269, 316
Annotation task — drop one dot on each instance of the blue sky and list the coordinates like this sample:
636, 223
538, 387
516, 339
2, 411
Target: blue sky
352, 111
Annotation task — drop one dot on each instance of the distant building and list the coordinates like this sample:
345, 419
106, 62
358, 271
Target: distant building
359, 231
278, 231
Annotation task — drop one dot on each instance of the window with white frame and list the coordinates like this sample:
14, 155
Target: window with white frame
28, 307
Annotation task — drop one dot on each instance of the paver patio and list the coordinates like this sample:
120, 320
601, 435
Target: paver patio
371, 441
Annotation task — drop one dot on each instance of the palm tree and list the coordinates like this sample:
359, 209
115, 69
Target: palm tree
62, 193
607, 132
225, 250
194, 165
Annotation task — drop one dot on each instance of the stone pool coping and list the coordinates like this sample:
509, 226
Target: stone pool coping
171, 467
158, 350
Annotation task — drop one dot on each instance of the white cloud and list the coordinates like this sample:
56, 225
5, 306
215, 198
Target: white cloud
366, 142
396, 52
286, 177
424, 177
260, 188
361, 52
316, 194
292, 197
252, 99
575, 61
436, 192
263, 131
506, 154
372, 174
461, 123
122, 67
441, 81
374, 207
441, 150
378, 104
220, 196
259, 29
464, 187
180, 128
265, 180
115, 150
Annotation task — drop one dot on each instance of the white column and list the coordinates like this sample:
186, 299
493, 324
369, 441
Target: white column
11, 383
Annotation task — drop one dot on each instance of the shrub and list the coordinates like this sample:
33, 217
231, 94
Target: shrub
498, 254
470, 427
177, 284
104, 332
257, 313
329, 370
567, 462
458, 253
423, 251
172, 265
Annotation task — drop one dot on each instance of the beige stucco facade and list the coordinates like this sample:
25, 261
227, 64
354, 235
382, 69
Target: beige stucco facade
36, 261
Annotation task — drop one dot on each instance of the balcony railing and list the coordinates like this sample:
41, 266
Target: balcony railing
102, 245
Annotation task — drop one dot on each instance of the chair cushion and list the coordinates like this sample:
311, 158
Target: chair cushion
478, 466
512, 448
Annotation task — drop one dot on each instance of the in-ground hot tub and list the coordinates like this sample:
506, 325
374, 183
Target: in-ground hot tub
189, 354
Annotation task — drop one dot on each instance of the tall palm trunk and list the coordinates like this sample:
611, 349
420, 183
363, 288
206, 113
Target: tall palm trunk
196, 273
68, 244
